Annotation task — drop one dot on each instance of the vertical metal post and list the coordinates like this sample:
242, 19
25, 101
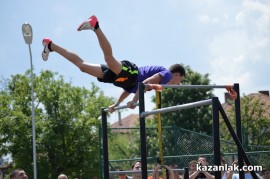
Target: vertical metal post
238, 127
215, 116
33, 115
100, 152
159, 127
186, 174
236, 140
142, 132
105, 145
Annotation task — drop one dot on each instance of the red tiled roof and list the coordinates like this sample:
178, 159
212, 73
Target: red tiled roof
265, 99
129, 121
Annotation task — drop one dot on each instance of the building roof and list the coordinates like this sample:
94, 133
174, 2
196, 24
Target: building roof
264, 98
129, 121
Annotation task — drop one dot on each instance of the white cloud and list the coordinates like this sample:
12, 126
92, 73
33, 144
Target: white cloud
255, 13
206, 19
240, 18
241, 47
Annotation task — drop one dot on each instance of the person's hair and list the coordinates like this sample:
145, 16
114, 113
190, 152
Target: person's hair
132, 166
178, 68
223, 160
14, 173
192, 161
202, 156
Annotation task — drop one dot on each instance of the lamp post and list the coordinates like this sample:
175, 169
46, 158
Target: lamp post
28, 36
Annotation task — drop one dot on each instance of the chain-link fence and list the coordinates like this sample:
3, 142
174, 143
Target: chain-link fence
180, 146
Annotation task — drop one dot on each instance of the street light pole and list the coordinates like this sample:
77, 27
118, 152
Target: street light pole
28, 36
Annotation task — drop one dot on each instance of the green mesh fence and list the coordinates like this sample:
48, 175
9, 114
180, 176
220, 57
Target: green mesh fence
180, 146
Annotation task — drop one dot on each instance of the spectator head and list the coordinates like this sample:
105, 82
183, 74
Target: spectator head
18, 174
136, 166
223, 161
202, 160
62, 176
192, 164
122, 176
266, 174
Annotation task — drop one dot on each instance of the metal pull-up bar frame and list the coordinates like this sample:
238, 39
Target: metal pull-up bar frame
216, 107
215, 114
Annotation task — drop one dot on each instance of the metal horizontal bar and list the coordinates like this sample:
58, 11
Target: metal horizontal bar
178, 107
139, 171
121, 107
191, 86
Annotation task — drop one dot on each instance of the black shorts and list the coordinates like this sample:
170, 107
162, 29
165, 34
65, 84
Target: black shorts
127, 78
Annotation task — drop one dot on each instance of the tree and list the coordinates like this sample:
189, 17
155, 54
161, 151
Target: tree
196, 119
66, 125
255, 119
123, 144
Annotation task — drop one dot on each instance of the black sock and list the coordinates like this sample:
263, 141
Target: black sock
96, 26
49, 46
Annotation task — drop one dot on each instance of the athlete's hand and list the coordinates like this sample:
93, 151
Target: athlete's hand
235, 163
131, 105
111, 107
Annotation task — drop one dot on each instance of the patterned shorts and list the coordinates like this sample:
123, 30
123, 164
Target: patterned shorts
127, 77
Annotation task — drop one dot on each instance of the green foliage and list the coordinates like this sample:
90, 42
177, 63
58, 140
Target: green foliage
66, 125
255, 119
123, 145
126, 150
195, 119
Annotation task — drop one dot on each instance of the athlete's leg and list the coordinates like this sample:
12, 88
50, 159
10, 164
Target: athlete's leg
105, 45
93, 24
92, 69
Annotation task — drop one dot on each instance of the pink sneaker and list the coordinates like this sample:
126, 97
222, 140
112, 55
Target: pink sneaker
46, 50
89, 24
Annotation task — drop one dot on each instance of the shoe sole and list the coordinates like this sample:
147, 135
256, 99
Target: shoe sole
45, 42
88, 22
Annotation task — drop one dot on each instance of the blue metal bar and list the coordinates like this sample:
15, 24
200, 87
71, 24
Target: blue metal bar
190, 86
121, 107
178, 107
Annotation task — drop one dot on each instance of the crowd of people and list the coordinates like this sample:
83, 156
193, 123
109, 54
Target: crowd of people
193, 172
21, 174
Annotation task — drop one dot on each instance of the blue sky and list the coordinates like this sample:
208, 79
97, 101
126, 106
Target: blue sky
227, 39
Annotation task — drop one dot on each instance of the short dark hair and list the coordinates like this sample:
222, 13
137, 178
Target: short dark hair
223, 160
202, 156
178, 68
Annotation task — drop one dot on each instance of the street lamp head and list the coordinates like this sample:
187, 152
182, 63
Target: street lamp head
27, 33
